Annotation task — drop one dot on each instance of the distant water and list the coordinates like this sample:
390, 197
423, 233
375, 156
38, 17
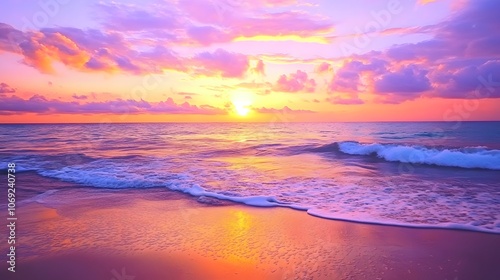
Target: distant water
443, 175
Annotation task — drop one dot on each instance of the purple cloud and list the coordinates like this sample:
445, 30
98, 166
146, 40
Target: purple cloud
130, 17
207, 35
467, 81
79, 97
10, 38
348, 77
41, 105
461, 58
409, 79
5, 88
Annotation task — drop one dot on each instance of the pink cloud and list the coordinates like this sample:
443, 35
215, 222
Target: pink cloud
221, 62
284, 110
295, 82
324, 67
207, 35
280, 24
260, 68
342, 100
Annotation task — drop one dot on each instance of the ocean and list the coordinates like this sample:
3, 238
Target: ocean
429, 174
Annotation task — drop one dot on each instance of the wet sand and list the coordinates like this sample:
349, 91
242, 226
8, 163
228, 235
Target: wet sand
85, 233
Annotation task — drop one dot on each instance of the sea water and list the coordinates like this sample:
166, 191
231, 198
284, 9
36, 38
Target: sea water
432, 174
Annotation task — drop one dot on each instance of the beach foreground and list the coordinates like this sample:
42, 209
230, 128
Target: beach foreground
160, 234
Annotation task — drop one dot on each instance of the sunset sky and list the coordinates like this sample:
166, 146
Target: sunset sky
261, 60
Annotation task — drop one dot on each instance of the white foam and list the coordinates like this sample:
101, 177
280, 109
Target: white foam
464, 158
391, 222
261, 201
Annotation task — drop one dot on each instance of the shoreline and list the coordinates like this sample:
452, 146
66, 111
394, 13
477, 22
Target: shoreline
162, 234
214, 199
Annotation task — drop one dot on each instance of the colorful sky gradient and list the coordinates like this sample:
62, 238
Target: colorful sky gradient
261, 60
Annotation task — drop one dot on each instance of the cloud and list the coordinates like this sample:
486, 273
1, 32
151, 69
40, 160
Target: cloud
259, 68
10, 38
131, 17
79, 97
41, 49
295, 23
348, 77
187, 93
350, 100
221, 62
470, 32
41, 105
207, 35
469, 81
140, 39
259, 88
5, 88
84, 50
425, 2
94, 50
324, 67
402, 85
461, 56
295, 82
409, 79
217, 21
284, 110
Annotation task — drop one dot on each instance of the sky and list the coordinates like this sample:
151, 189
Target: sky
244, 60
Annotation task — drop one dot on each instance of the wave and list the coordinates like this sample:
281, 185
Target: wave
429, 134
469, 157
112, 177
379, 204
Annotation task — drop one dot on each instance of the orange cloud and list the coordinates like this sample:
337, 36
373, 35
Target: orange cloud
425, 2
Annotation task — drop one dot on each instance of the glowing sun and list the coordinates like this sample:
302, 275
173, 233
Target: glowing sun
241, 101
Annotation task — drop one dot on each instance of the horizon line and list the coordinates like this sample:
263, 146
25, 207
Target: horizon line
250, 122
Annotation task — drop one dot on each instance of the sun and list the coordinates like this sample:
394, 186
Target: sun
242, 110
242, 100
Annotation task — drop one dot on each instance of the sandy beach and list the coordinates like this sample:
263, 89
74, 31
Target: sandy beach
160, 234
